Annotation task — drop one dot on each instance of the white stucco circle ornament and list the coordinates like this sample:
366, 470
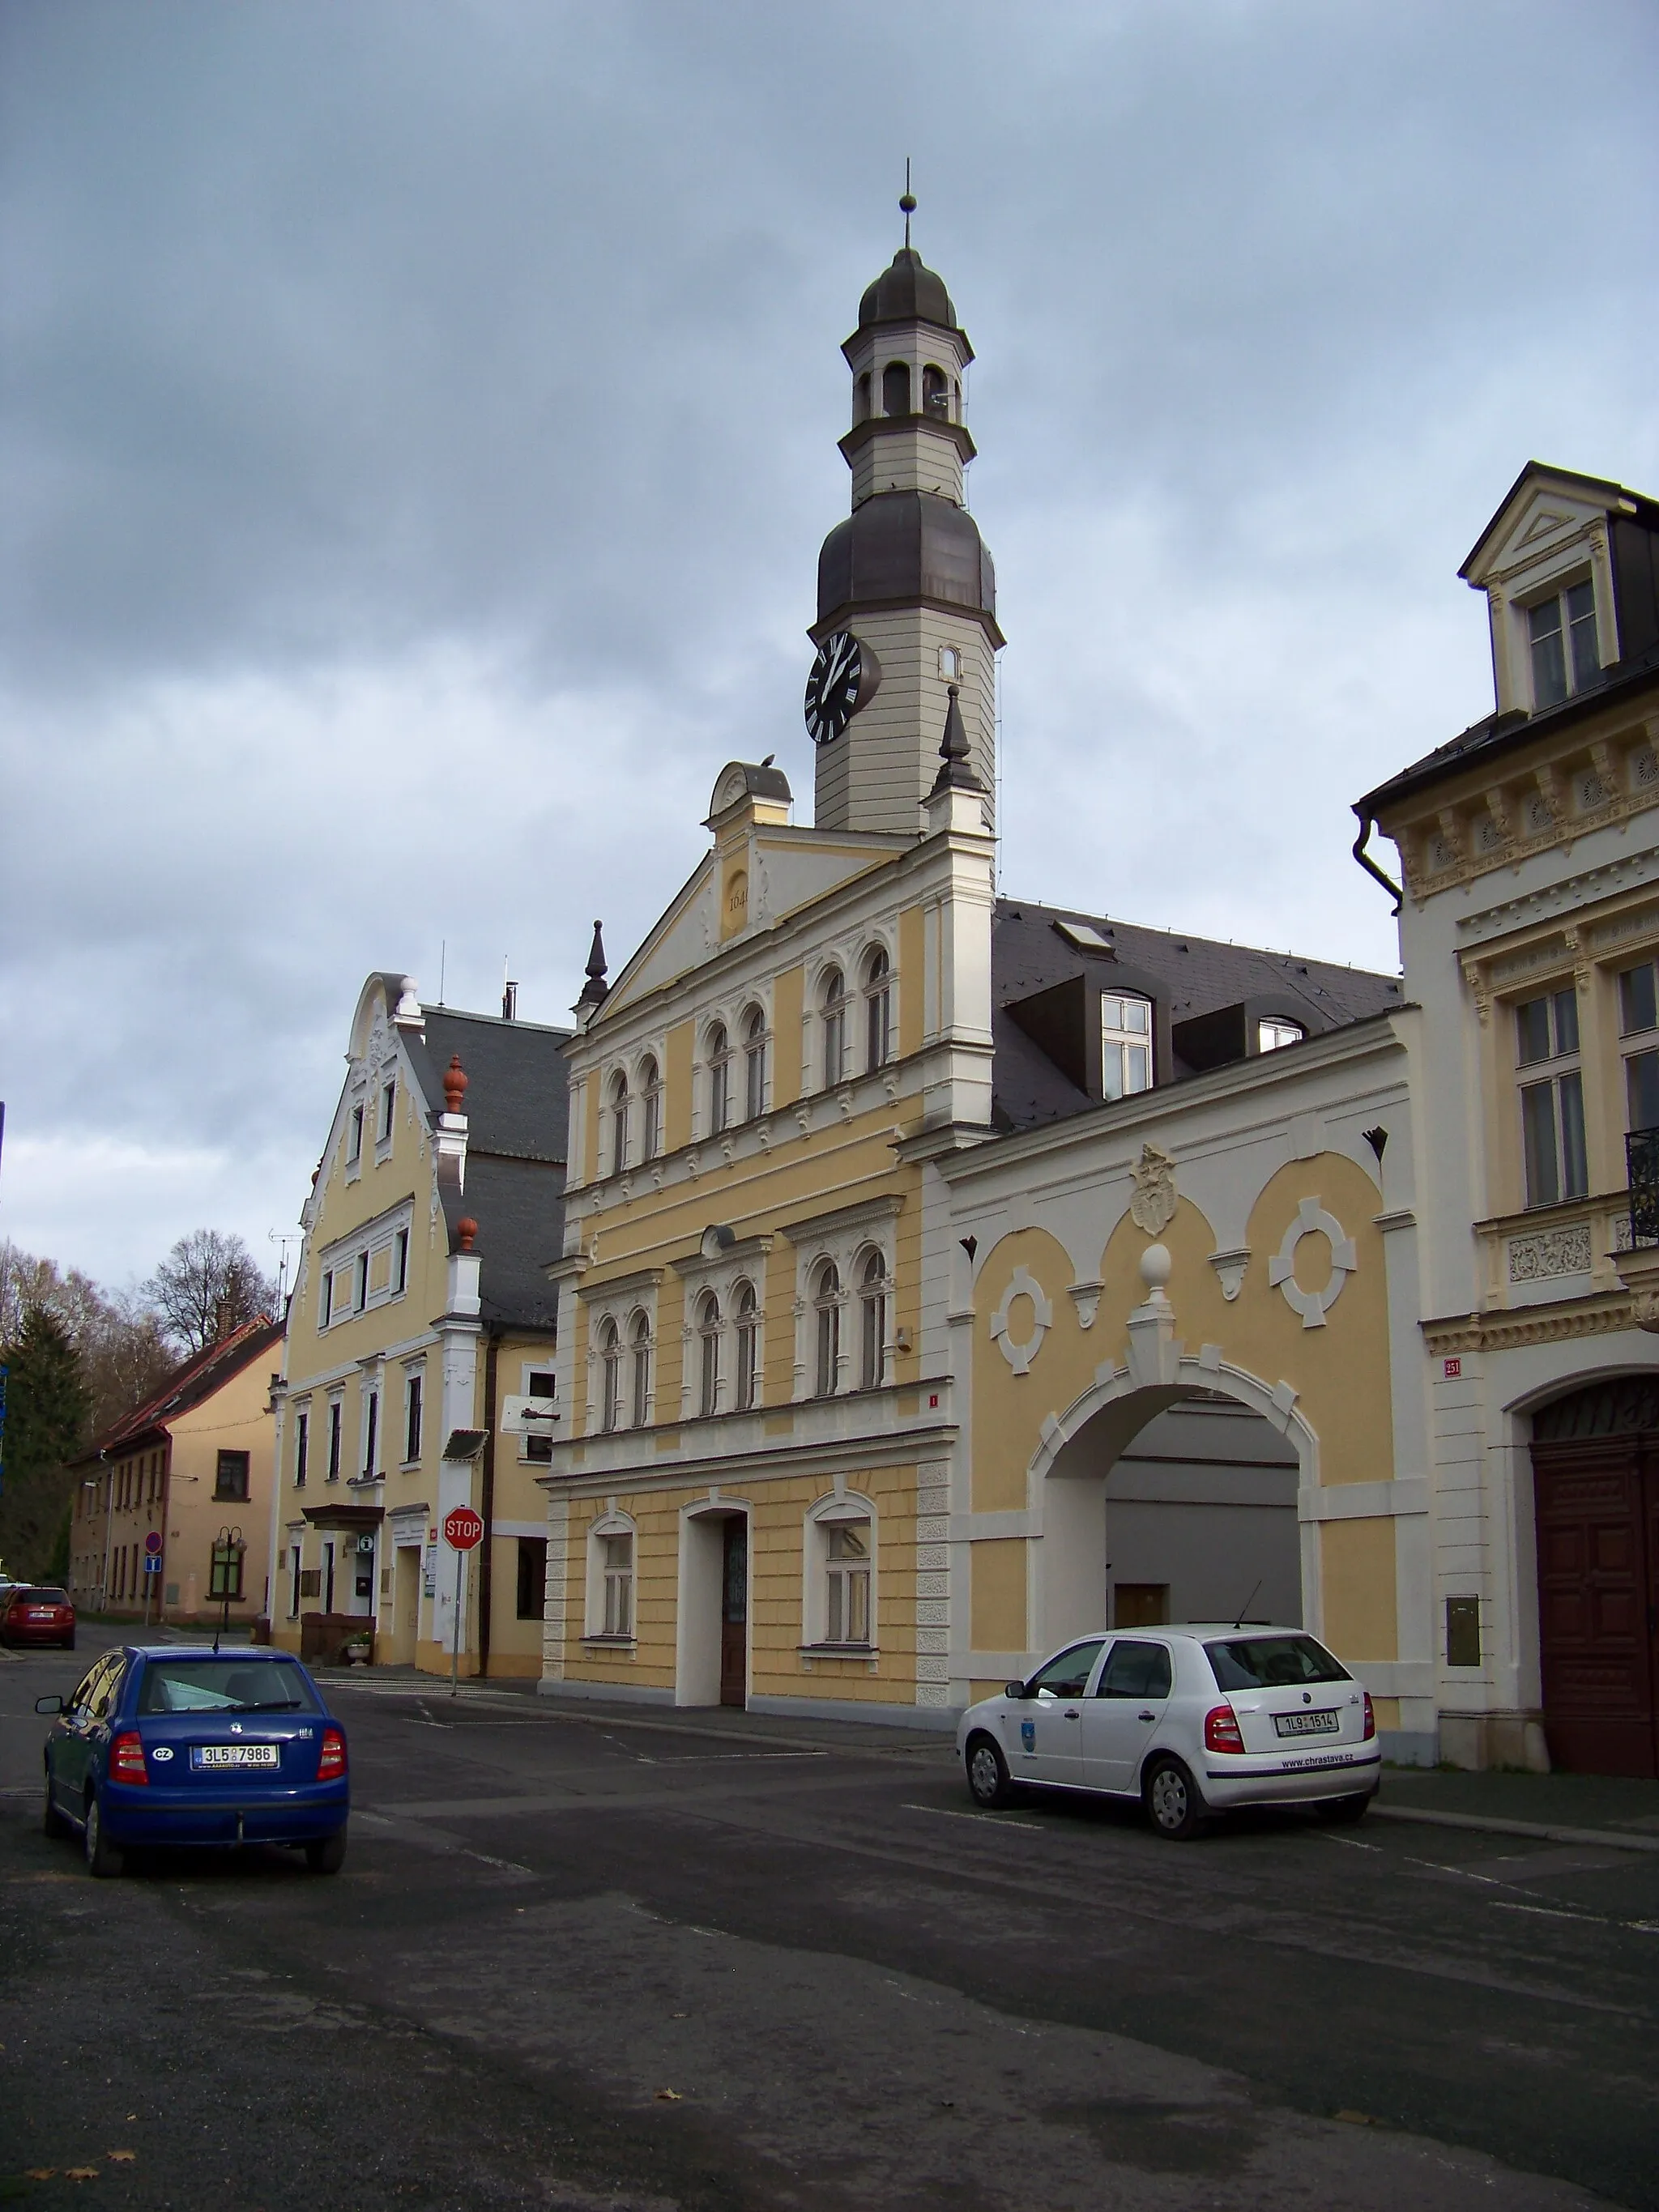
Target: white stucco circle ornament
1021, 1284
1312, 1220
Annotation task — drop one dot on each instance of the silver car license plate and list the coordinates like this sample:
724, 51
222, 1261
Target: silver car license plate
1326, 1723
235, 1755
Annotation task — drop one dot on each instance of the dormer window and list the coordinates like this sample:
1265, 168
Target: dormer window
1273, 1037
1126, 1047
1561, 631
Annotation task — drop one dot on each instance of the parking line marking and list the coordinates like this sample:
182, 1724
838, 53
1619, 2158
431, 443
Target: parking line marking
985, 1819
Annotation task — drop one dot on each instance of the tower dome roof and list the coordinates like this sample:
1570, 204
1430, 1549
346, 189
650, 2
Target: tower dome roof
906, 547
907, 291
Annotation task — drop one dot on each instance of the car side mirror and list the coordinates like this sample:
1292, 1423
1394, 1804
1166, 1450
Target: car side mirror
1013, 1689
49, 1705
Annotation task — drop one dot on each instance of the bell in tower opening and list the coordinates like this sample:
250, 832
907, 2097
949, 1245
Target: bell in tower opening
907, 594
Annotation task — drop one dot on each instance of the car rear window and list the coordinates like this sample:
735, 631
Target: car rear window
1272, 1662
22, 1593
225, 1686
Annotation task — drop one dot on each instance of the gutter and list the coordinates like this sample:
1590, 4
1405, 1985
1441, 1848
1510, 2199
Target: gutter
486, 1502
1367, 823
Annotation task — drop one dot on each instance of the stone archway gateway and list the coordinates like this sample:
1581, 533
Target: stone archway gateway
1595, 1492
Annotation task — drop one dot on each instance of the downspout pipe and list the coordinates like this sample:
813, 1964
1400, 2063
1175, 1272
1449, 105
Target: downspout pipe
1366, 825
487, 1503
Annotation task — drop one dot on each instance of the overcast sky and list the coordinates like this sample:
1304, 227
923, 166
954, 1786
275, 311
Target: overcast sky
417, 427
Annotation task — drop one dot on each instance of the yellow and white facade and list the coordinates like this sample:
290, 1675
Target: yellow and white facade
418, 1312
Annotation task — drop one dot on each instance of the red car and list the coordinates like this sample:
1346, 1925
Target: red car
32, 1614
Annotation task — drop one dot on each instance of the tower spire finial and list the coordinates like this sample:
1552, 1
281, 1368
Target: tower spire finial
907, 202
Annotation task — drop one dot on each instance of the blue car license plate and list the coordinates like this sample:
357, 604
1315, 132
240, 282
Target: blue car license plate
235, 1755
1326, 1723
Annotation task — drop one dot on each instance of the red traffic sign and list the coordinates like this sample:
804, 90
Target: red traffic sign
153, 1542
462, 1529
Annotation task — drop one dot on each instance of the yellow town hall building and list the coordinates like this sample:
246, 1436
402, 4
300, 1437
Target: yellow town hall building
909, 1321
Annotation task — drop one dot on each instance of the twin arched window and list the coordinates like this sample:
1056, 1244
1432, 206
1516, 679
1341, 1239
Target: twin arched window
611, 1352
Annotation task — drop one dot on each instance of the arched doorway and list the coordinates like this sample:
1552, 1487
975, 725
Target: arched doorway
1595, 1498
1173, 1503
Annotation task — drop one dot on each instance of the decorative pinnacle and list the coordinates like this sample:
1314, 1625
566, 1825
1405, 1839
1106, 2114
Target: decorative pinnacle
907, 202
454, 1084
466, 1230
956, 773
595, 988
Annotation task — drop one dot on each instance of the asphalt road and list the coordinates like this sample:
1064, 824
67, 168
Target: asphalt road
603, 1967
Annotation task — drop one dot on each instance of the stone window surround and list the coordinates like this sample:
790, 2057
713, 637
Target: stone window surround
340, 1257
841, 1505
843, 1237
619, 1301
743, 1262
731, 1012
850, 953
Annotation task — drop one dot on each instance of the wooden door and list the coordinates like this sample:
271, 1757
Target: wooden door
1597, 1503
734, 1614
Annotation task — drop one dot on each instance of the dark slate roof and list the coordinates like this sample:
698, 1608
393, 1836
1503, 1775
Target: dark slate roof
904, 546
907, 292
518, 1098
1495, 735
518, 1205
190, 1382
1186, 976
518, 1115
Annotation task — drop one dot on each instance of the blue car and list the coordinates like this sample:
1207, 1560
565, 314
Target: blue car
164, 1745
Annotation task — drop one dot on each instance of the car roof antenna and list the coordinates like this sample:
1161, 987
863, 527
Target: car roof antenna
1239, 1623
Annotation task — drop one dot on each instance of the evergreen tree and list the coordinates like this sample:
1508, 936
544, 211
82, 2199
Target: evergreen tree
46, 1412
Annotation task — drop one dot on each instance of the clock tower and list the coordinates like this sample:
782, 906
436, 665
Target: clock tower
907, 594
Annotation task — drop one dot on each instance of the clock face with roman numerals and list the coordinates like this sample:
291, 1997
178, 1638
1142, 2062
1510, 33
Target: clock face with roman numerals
843, 678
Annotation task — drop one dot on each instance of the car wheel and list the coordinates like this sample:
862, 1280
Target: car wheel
987, 1774
327, 1854
103, 1858
1340, 1810
52, 1822
1173, 1804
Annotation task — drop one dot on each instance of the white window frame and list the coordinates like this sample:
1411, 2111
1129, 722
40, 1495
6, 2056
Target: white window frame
1273, 1035
603, 1578
826, 1308
528, 1370
876, 990
415, 1402
756, 1043
1118, 1037
748, 1327
832, 1027
838, 1509
649, 1085
711, 1376
1548, 1073
1556, 590
717, 1057
875, 1306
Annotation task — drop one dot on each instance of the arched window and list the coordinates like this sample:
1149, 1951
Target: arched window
878, 1009
720, 1078
709, 1333
651, 1128
832, 1004
935, 393
873, 1322
611, 1378
639, 1343
896, 388
619, 1122
747, 1308
754, 1064
846, 1609
826, 1301
862, 398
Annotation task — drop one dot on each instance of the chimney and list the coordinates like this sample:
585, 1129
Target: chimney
509, 1002
222, 1320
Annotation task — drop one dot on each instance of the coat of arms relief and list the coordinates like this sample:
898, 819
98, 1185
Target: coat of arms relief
1153, 1206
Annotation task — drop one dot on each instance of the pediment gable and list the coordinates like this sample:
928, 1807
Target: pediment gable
1547, 511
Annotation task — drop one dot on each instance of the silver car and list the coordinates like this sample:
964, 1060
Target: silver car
1191, 1721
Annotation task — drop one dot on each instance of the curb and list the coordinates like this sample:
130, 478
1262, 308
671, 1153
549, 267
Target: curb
1490, 1825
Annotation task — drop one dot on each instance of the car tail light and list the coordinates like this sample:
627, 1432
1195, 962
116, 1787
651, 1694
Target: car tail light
1221, 1729
331, 1762
1370, 1718
126, 1759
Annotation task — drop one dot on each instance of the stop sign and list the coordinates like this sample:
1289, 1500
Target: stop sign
462, 1529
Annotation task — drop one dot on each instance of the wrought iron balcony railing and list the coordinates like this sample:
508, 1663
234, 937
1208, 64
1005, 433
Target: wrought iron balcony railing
1642, 1166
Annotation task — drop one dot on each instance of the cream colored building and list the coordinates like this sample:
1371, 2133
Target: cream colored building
191, 1465
1530, 930
864, 1309
419, 1311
